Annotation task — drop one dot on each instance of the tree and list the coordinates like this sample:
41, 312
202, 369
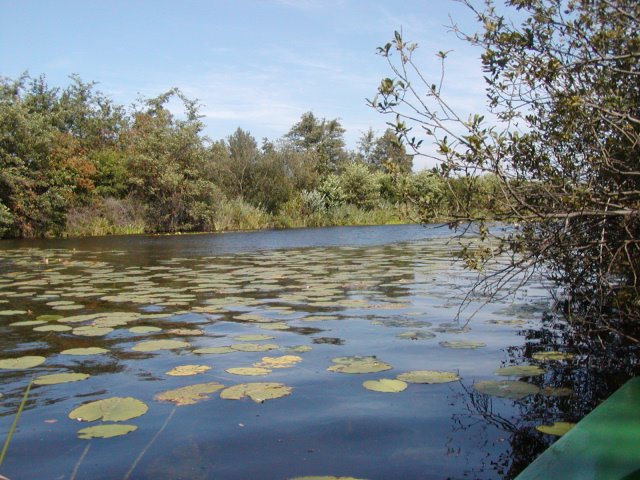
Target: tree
563, 87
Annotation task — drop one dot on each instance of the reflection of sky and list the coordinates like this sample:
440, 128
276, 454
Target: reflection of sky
257, 64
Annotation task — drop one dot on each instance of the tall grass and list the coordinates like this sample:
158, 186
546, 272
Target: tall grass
12, 429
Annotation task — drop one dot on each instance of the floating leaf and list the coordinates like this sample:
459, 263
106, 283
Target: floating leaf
299, 349
428, 376
114, 409
92, 331
463, 344
284, 361
52, 328
214, 350
249, 371
274, 326
27, 323
49, 318
84, 351
358, 365
253, 338
187, 370
254, 347
552, 355
385, 385
56, 378
190, 394
145, 329
558, 428
417, 335
520, 371
155, 345
106, 431
21, 363
12, 312
258, 392
185, 331
506, 388
556, 392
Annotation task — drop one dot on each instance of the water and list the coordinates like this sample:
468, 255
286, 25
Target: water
341, 291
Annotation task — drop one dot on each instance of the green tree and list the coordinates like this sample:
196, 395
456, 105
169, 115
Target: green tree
563, 143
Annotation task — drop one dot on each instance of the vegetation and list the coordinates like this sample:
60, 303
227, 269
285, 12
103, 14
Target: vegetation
74, 163
561, 146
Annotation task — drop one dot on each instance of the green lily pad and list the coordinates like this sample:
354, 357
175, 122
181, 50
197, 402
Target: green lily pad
106, 431
248, 371
552, 355
358, 365
416, 335
52, 328
187, 370
428, 376
185, 331
558, 428
190, 394
214, 350
92, 331
385, 385
27, 323
299, 349
258, 392
114, 409
274, 326
145, 329
506, 388
462, 344
254, 347
155, 345
284, 361
85, 351
56, 378
520, 371
49, 318
253, 338
20, 363
556, 392
12, 312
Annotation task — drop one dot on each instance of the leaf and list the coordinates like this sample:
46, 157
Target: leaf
284, 361
84, 351
558, 428
258, 392
187, 370
253, 338
92, 331
385, 385
56, 378
254, 347
27, 323
52, 328
358, 365
145, 329
249, 371
214, 350
299, 349
20, 363
155, 345
506, 388
106, 431
556, 392
190, 394
462, 344
186, 331
520, 371
416, 335
114, 409
428, 376
551, 355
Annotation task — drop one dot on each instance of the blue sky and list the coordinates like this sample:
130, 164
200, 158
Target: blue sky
254, 64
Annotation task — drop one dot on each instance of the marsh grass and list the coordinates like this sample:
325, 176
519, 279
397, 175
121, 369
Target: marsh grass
12, 429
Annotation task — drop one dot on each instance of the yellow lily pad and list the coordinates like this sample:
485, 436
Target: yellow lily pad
190, 394
558, 428
258, 392
186, 331
56, 378
428, 376
284, 361
20, 363
106, 431
155, 345
187, 370
248, 371
114, 409
520, 371
385, 385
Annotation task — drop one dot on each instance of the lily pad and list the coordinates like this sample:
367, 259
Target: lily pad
556, 392
214, 350
27, 323
155, 345
106, 431
274, 326
187, 370
385, 385
253, 338
284, 361
84, 351
56, 378
52, 328
462, 344
92, 331
552, 355
20, 363
416, 335
258, 392
114, 409
558, 428
190, 394
249, 371
254, 347
506, 388
428, 376
186, 331
299, 349
520, 371
49, 318
358, 365
145, 329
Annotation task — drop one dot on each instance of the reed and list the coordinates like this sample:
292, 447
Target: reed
7, 440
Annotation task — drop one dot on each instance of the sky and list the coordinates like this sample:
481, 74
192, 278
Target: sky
254, 64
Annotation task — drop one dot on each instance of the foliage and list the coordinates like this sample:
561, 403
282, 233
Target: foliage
562, 144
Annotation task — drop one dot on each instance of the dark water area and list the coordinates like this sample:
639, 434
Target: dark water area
316, 294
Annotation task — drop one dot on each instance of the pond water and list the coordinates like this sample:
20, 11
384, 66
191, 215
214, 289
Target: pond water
310, 300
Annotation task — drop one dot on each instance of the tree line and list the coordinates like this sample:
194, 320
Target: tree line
73, 162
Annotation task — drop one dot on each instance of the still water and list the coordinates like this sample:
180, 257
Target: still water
314, 295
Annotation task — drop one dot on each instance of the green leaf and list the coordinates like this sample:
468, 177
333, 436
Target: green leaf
56, 378
506, 388
428, 376
249, 371
187, 370
155, 345
385, 385
106, 431
114, 409
85, 351
258, 392
358, 365
20, 363
190, 394
551, 355
520, 371
558, 428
